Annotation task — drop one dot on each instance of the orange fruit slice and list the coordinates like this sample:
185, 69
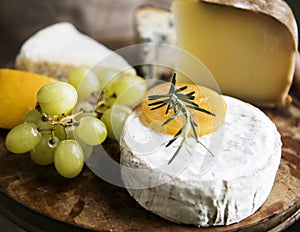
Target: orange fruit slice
18, 91
204, 97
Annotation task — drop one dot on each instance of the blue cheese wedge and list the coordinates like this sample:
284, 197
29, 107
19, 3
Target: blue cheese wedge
54, 50
153, 25
198, 188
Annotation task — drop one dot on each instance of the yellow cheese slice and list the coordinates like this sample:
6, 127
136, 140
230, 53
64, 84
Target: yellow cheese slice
249, 46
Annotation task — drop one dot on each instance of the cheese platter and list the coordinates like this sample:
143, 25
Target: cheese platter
257, 192
91, 203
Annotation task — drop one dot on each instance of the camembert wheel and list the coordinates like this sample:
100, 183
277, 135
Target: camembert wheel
204, 190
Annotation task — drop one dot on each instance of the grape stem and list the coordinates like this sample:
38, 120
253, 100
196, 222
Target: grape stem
65, 121
52, 140
102, 101
69, 120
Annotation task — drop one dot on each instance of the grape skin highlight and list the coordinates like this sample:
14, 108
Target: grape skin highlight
22, 138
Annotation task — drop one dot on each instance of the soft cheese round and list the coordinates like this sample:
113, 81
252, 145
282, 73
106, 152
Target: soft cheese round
197, 187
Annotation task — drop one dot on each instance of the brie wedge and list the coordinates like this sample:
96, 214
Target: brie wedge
197, 187
54, 50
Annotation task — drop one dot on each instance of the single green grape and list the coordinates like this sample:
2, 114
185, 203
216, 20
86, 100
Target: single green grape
114, 119
105, 76
43, 153
32, 116
91, 130
44, 126
91, 114
59, 132
57, 98
63, 133
130, 89
68, 158
22, 138
35, 117
84, 81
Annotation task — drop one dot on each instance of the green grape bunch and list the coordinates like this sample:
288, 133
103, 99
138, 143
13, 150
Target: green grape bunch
72, 117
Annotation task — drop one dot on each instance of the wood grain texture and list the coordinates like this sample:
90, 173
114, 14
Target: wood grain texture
89, 202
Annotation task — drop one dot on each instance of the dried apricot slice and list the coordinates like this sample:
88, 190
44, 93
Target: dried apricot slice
204, 97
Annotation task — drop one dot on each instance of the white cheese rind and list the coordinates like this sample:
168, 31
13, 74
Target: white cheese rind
55, 49
231, 189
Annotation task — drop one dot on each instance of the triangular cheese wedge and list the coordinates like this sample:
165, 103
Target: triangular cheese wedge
59, 47
249, 46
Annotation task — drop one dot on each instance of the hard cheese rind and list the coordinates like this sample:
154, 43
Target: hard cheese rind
249, 46
277, 9
54, 50
230, 189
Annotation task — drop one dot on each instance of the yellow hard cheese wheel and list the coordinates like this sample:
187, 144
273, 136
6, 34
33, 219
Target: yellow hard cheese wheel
18, 91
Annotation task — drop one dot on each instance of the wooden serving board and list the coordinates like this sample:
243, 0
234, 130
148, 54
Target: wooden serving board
89, 202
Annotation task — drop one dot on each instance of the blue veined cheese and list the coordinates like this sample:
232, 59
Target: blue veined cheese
203, 190
54, 50
154, 25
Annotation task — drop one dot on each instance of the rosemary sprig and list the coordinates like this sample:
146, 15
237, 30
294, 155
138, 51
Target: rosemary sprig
180, 103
